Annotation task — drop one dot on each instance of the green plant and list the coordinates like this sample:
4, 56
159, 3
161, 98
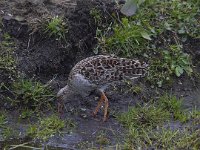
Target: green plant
26, 113
189, 140
96, 14
169, 63
128, 39
70, 124
195, 115
170, 103
162, 139
151, 33
46, 128
153, 20
7, 61
174, 106
84, 145
56, 27
145, 138
146, 116
8, 132
158, 73
149, 126
102, 139
101, 38
2, 120
178, 61
130, 87
183, 18
32, 130
31, 94
176, 16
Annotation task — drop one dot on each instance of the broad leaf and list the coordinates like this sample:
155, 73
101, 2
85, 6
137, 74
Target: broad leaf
129, 8
188, 70
145, 35
167, 26
178, 71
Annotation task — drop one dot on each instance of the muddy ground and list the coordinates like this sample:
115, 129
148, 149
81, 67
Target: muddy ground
44, 58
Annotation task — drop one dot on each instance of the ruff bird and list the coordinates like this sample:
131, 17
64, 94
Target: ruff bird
96, 73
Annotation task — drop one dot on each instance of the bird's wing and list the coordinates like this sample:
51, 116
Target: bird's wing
82, 85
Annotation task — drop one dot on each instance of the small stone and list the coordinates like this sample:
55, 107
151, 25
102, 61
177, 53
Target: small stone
180, 83
83, 109
7, 17
19, 18
83, 116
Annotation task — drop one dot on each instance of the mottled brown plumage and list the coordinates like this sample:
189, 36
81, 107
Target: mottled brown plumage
97, 72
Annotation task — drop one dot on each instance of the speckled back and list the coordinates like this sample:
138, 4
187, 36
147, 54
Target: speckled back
103, 69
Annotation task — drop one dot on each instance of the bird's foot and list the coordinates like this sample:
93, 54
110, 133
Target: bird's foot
105, 100
60, 109
105, 119
94, 114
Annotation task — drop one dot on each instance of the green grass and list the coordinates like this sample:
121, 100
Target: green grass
7, 61
169, 63
174, 106
56, 27
31, 94
133, 88
2, 120
102, 139
178, 61
26, 113
22, 92
195, 116
127, 40
162, 139
156, 33
96, 14
8, 71
153, 19
49, 127
146, 129
144, 116
7, 132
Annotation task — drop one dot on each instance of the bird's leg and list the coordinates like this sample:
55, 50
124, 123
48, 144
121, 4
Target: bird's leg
60, 106
98, 106
106, 107
105, 99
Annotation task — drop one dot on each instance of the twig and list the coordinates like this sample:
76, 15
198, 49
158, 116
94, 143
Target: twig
24, 146
28, 43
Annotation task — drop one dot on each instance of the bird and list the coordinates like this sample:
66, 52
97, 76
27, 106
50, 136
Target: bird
96, 73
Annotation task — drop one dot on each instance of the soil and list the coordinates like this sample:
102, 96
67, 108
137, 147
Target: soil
44, 58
